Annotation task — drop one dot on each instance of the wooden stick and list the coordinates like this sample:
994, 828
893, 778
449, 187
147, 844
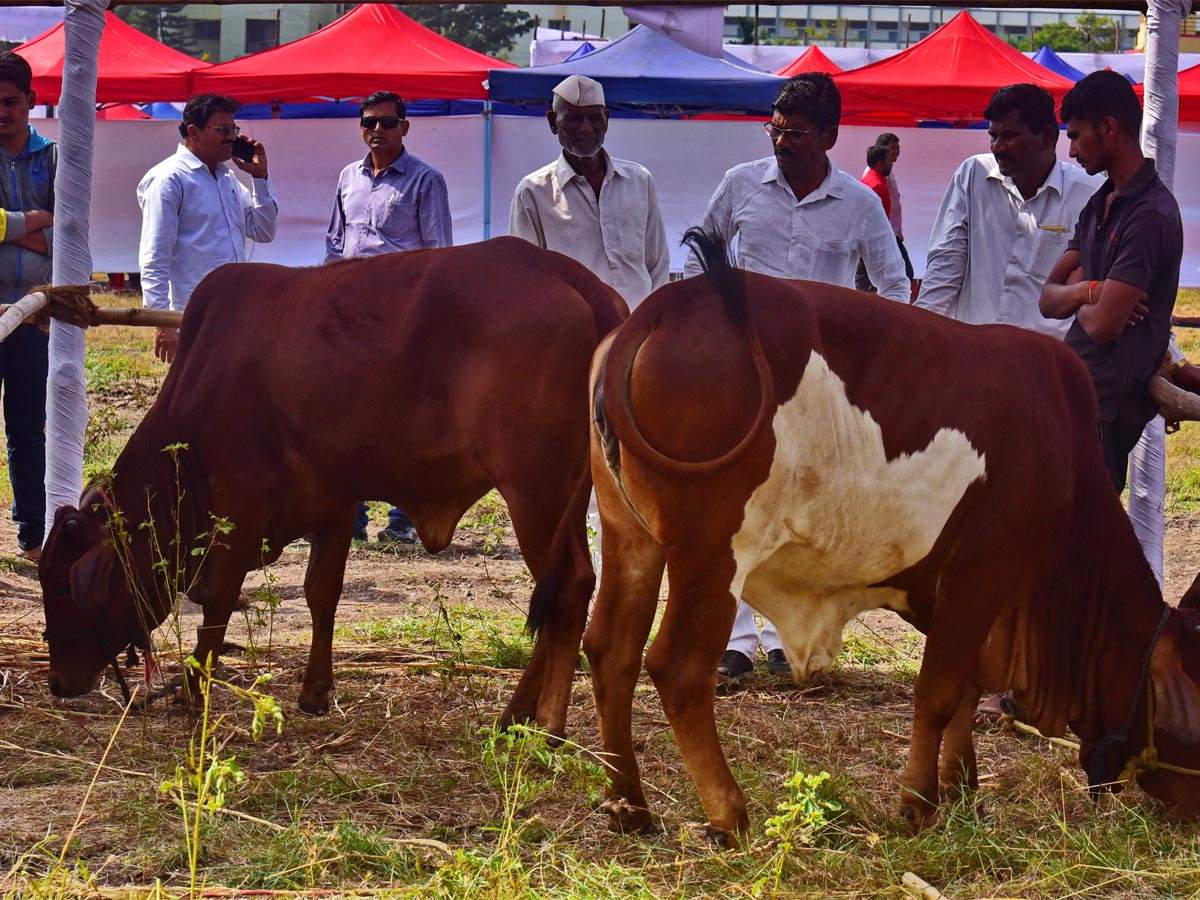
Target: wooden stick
133, 315
915, 884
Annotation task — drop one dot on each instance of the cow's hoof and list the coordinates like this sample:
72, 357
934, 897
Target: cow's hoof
314, 704
720, 837
917, 814
626, 818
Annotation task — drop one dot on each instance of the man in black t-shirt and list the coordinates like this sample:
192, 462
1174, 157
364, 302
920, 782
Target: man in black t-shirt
1120, 274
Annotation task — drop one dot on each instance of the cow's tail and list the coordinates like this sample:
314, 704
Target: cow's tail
730, 285
607, 309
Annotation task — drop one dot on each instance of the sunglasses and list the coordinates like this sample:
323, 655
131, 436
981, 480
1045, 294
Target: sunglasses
226, 130
387, 122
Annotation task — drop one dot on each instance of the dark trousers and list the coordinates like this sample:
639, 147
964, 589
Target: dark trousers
396, 518
863, 282
1116, 443
24, 364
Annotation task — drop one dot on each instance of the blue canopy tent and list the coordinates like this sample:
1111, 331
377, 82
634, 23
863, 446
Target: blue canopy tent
644, 69
1047, 58
581, 51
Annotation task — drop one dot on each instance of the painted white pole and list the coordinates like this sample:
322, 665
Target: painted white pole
66, 396
1160, 136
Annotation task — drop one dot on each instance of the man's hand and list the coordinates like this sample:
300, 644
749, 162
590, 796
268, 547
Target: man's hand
257, 167
35, 241
166, 344
37, 219
1076, 276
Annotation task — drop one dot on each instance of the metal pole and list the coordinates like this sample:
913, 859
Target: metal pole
487, 169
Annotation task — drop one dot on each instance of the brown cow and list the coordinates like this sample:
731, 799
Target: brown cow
822, 452
486, 349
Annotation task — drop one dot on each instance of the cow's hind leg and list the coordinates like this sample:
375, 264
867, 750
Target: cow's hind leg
322, 591
683, 663
614, 641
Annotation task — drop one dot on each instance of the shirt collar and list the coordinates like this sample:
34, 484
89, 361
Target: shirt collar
399, 165
831, 186
1055, 180
1136, 185
564, 172
188, 158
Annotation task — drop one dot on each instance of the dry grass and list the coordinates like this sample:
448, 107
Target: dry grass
403, 789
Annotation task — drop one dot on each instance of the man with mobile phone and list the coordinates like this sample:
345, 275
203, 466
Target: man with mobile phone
385, 202
196, 215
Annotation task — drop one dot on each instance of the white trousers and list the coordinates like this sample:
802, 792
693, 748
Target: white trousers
1148, 491
746, 637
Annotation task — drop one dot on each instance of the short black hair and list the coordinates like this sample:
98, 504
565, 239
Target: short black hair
812, 95
203, 107
15, 70
887, 139
1033, 106
877, 153
1104, 94
384, 97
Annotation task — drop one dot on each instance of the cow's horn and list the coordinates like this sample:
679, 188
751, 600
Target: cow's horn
1175, 404
20, 311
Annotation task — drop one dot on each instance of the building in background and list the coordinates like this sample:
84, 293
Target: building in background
227, 32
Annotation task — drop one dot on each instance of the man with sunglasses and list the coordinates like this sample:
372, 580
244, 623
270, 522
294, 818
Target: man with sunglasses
795, 214
387, 201
196, 215
593, 207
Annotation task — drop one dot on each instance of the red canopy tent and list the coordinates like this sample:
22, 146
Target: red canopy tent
1189, 94
811, 60
121, 112
373, 47
948, 76
132, 66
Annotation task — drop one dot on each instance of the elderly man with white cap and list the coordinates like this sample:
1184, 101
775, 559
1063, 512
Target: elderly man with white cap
595, 208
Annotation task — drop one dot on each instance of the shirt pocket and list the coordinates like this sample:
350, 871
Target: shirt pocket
833, 260
397, 217
1049, 246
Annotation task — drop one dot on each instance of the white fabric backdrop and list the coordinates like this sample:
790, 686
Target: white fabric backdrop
306, 156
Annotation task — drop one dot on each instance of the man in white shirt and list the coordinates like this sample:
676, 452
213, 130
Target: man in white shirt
796, 215
196, 215
1006, 219
593, 207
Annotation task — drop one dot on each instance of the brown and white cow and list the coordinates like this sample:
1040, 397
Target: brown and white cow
422, 378
822, 452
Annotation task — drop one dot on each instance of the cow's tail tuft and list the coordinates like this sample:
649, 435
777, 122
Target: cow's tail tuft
728, 281
551, 583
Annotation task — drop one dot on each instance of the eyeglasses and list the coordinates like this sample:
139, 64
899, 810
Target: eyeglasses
226, 130
387, 122
788, 134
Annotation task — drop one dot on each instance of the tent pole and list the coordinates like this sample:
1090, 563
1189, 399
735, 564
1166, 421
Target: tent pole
487, 169
1160, 118
66, 395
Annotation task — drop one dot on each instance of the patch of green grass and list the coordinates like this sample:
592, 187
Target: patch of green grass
473, 635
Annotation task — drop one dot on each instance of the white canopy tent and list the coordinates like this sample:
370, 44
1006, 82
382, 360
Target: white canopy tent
66, 394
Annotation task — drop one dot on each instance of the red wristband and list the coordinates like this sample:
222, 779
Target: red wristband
1093, 298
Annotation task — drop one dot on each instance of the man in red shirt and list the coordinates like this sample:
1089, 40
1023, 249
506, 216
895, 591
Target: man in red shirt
879, 167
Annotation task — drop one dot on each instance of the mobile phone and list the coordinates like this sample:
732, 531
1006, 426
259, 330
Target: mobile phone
243, 149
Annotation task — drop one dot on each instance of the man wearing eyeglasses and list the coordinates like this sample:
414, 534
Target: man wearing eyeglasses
794, 214
387, 201
196, 215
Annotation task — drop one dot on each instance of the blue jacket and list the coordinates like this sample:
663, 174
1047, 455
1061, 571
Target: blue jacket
26, 182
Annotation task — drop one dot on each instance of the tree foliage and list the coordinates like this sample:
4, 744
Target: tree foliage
1089, 33
166, 24
488, 29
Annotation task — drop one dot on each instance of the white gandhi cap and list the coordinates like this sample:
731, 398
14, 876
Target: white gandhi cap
579, 90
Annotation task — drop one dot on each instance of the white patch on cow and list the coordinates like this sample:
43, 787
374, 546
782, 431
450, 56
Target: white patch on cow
836, 516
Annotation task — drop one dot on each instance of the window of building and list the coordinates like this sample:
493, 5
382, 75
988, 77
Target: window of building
261, 34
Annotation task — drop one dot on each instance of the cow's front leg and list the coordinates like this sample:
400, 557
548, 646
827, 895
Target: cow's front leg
959, 773
322, 590
683, 663
614, 641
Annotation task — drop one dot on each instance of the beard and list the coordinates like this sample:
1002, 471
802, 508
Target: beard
579, 148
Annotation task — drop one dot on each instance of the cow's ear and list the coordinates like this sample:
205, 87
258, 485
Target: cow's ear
91, 577
1176, 696
1191, 597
